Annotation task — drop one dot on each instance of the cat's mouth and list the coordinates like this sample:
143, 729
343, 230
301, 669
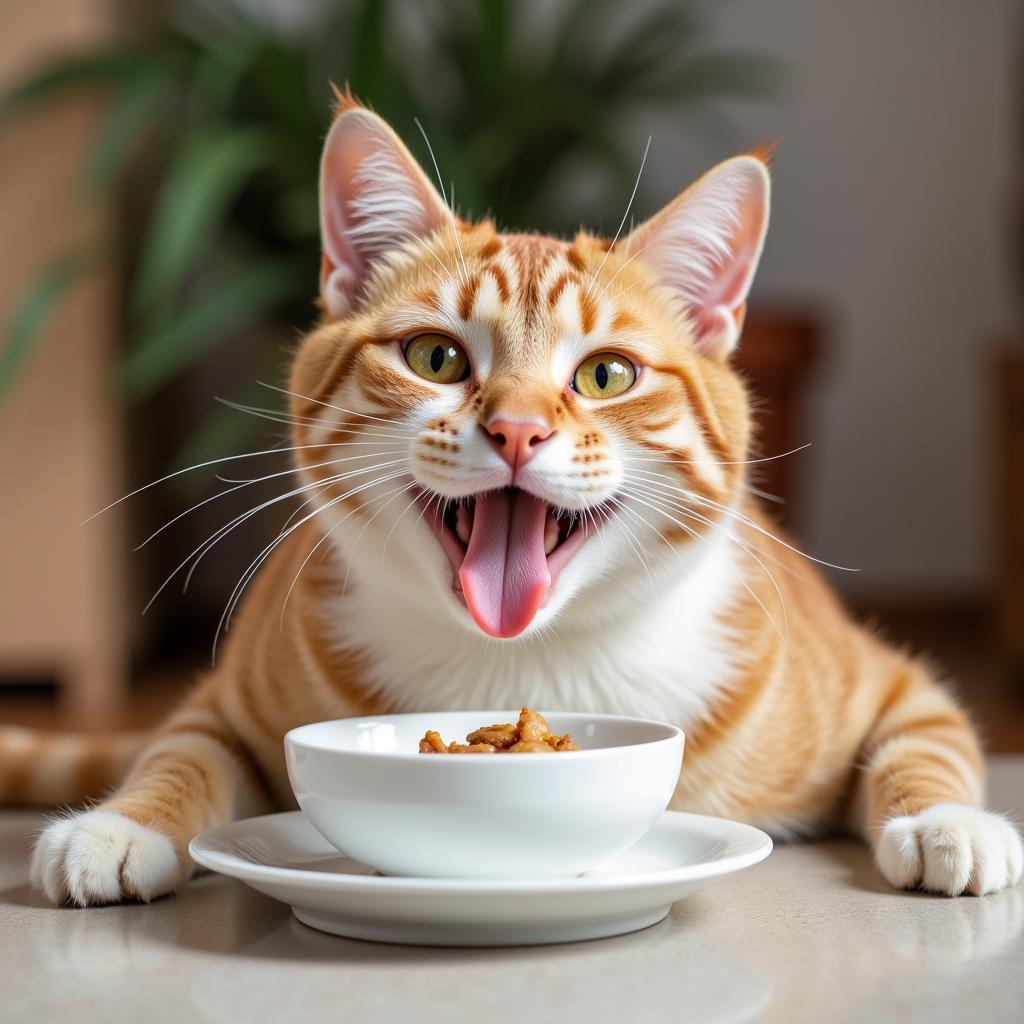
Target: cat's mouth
507, 548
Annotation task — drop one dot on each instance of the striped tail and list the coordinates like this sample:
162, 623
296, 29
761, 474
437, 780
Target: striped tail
44, 769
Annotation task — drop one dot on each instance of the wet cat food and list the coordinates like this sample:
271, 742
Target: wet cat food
530, 735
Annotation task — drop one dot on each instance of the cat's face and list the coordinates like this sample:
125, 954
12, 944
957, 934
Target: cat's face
515, 426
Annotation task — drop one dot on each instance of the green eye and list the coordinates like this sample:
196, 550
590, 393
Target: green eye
437, 358
604, 375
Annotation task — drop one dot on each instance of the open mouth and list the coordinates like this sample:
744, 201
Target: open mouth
507, 549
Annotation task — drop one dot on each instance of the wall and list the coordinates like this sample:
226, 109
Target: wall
891, 198
62, 605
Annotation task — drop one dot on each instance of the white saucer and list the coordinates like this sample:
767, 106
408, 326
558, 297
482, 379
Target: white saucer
283, 856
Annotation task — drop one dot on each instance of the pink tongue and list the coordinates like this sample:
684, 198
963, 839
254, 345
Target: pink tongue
505, 574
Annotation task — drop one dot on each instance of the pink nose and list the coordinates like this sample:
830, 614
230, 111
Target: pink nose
517, 443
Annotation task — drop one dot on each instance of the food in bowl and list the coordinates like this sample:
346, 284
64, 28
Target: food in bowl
530, 735
366, 788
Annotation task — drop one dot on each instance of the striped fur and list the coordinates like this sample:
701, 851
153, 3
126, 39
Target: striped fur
685, 605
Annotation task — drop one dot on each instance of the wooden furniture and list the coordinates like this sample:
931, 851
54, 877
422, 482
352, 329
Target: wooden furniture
62, 591
777, 353
1009, 466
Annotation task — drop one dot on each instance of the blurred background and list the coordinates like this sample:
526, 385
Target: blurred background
159, 258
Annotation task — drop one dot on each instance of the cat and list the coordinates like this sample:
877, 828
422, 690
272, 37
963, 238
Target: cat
524, 462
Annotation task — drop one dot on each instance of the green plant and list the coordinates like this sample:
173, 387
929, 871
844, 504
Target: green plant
221, 117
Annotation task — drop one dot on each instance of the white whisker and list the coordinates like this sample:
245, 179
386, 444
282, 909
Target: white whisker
444, 195
210, 542
625, 264
257, 480
316, 546
739, 543
658, 492
202, 465
622, 223
401, 515
716, 462
739, 576
633, 541
312, 422
236, 594
736, 514
327, 405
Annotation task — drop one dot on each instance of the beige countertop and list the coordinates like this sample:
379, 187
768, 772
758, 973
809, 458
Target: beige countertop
811, 934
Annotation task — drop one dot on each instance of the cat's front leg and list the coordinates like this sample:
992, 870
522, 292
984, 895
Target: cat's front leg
134, 845
918, 797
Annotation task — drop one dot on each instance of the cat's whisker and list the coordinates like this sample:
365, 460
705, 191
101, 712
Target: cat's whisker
746, 586
273, 415
317, 491
348, 568
632, 538
592, 526
659, 492
747, 521
455, 233
203, 465
312, 422
394, 526
601, 294
359, 536
718, 462
739, 543
666, 501
336, 478
223, 531
444, 196
775, 499
750, 551
622, 223
240, 484
239, 589
218, 535
327, 405
693, 533
413, 237
295, 579
668, 543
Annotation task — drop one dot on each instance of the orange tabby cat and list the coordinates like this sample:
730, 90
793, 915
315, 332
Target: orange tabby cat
524, 464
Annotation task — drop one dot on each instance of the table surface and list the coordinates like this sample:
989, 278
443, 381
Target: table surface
813, 934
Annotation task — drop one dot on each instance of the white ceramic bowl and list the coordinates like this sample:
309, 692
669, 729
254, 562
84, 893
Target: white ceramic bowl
366, 788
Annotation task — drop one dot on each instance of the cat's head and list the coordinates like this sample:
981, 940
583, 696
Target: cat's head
518, 429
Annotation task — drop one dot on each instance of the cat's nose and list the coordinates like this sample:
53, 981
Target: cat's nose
517, 442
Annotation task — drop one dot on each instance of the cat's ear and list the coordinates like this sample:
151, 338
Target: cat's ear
373, 198
705, 246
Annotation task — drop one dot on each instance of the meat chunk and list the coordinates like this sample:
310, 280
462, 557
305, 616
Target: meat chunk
530, 735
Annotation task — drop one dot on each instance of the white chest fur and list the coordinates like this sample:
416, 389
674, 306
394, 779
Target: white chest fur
668, 655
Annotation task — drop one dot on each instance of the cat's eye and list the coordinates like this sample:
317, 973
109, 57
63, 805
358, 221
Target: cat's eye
437, 358
604, 375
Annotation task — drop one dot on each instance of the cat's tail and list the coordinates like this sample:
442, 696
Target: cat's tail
46, 769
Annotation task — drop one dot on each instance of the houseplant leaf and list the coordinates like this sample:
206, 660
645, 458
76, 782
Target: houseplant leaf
222, 307
27, 324
209, 172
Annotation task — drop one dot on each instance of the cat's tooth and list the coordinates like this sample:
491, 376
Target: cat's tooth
550, 534
463, 524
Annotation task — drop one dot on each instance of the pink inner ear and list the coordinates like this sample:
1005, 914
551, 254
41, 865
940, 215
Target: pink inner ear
719, 309
706, 246
341, 269
373, 198
731, 283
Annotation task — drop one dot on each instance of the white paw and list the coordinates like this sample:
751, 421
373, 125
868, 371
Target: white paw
952, 849
103, 857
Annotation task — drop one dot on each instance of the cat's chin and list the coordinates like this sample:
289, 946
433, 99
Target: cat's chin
506, 549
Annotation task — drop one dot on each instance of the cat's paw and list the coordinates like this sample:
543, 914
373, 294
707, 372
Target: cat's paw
951, 849
102, 857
